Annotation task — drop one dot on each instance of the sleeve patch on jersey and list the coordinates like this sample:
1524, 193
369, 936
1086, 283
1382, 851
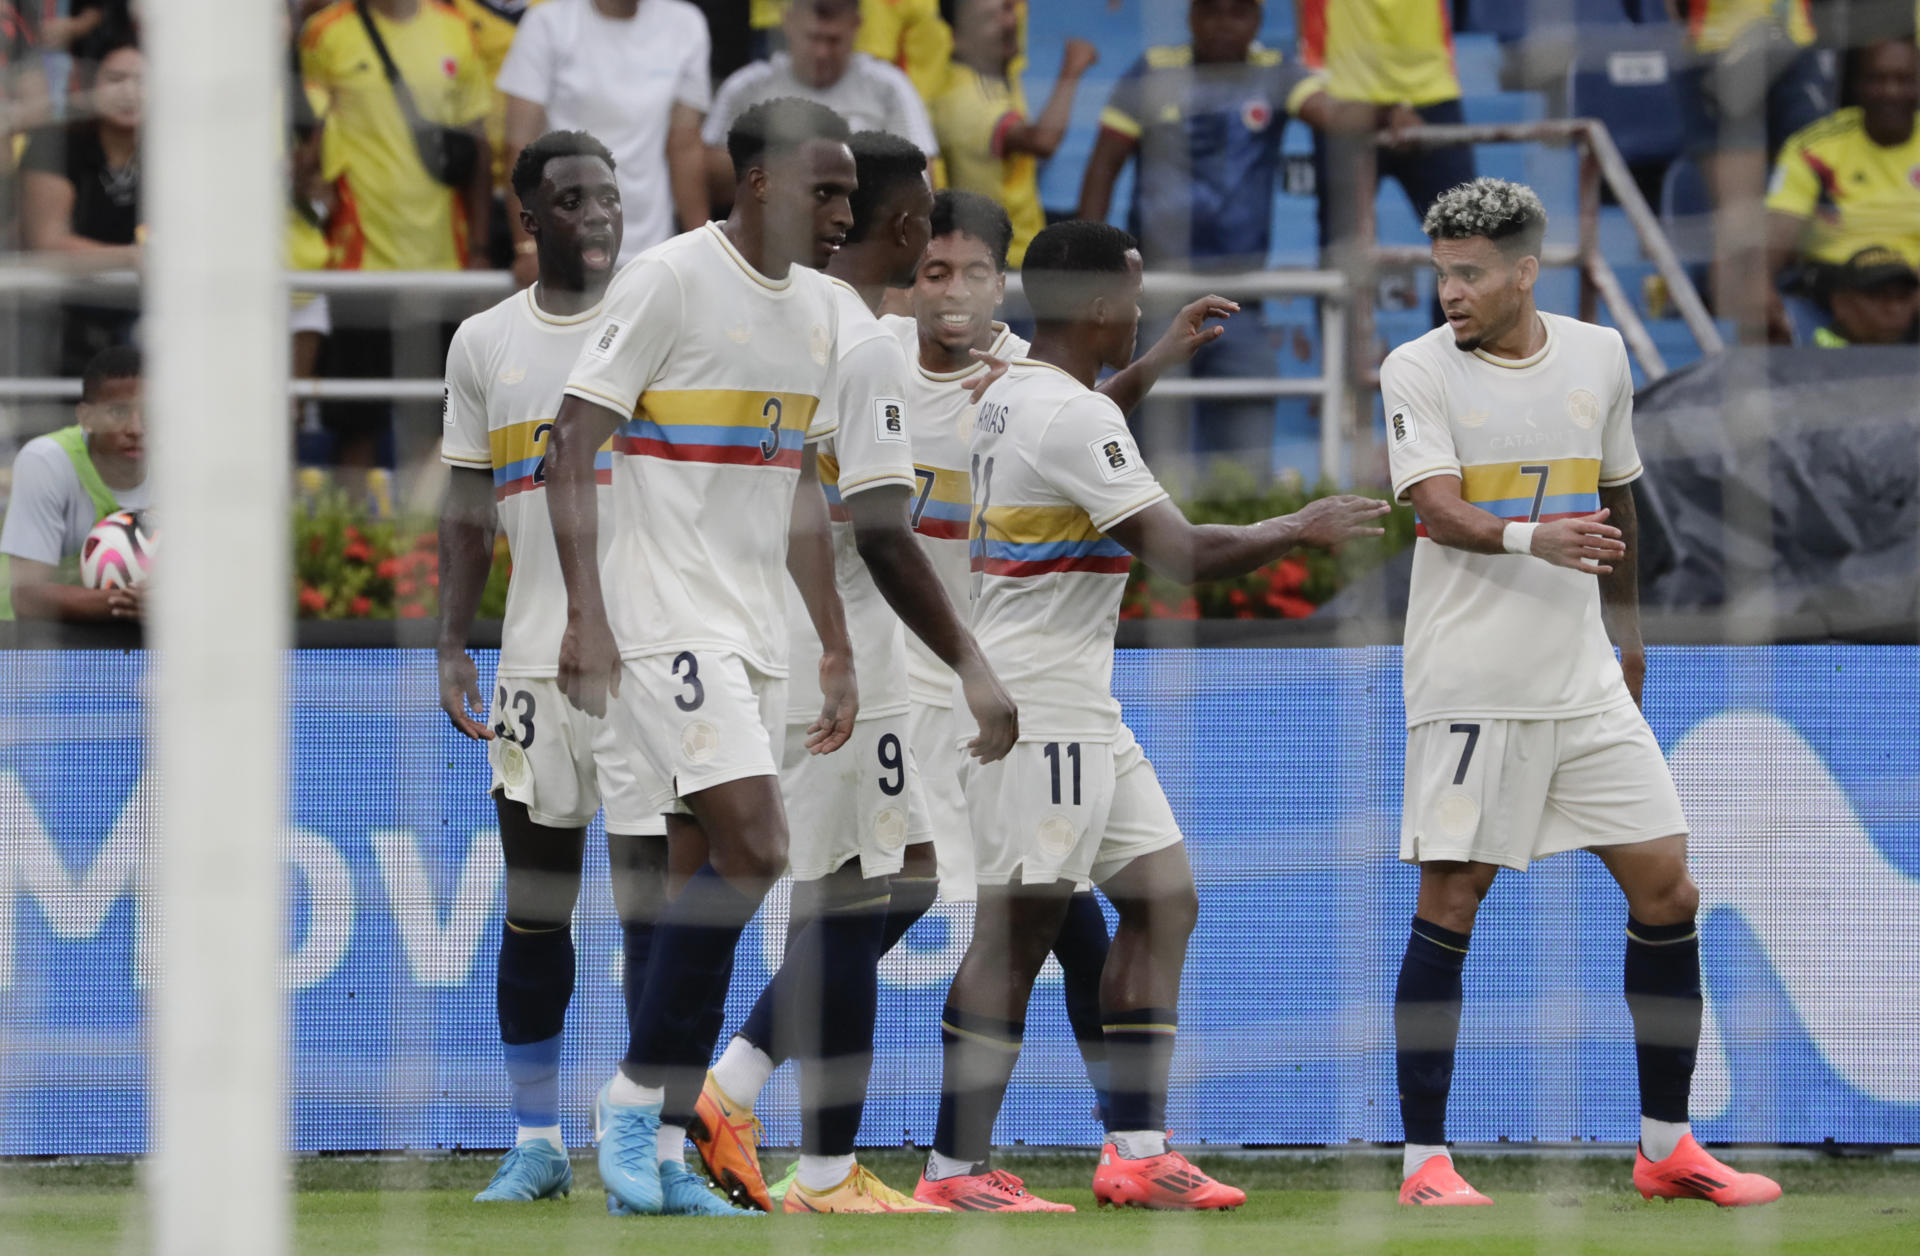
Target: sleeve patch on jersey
446, 405
606, 338
1401, 426
890, 419
1114, 456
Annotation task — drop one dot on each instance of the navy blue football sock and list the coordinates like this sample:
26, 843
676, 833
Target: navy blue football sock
533, 1076
1426, 1025
912, 898
1081, 949
977, 1058
1663, 994
1139, 1044
681, 1007
533, 983
839, 991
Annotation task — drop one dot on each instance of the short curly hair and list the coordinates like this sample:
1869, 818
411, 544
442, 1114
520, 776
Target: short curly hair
1508, 214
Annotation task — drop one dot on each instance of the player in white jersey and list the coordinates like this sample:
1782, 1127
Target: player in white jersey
709, 362
1511, 432
862, 862
553, 766
1060, 503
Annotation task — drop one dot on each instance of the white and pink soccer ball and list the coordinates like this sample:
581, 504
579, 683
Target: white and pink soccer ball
118, 553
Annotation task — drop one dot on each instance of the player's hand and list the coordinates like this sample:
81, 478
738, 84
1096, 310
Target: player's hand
127, 603
977, 385
1330, 520
993, 710
1190, 330
842, 692
589, 664
1079, 57
1779, 323
1583, 543
1400, 119
460, 693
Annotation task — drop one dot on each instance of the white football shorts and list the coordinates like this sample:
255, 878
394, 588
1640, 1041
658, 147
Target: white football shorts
699, 719
864, 801
1508, 792
933, 738
1066, 811
561, 763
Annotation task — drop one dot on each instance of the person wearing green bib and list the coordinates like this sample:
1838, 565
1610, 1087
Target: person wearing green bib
63, 484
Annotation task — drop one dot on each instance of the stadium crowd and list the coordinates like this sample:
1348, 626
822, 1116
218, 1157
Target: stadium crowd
1785, 130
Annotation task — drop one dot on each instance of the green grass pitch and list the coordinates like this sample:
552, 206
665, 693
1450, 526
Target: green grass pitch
1320, 1206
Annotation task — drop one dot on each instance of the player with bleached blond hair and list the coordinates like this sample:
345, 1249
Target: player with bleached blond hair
1511, 432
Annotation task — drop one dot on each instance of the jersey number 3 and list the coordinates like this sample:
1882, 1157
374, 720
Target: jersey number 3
770, 439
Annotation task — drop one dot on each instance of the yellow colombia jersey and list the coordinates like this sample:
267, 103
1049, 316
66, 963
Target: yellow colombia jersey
1852, 192
1713, 24
493, 28
1384, 51
971, 114
392, 215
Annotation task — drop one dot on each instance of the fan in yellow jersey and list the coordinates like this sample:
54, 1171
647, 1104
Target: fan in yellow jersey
1511, 432
863, 871
980, 113
552, 764
1060, 502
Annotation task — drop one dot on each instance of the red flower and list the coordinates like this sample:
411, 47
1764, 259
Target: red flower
312, 600
353, 533
356, 551
1288, 575
1131, 610
427, 542
387, 568
315, 545
1188, 609
413, 611
1237, 598
405, 588
433, 579
360, 606
1291, 607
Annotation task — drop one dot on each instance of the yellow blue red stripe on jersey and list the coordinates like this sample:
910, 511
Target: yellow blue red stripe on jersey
941, 503
719, 425
830, 485
1040, 540
520, 458
1552, 488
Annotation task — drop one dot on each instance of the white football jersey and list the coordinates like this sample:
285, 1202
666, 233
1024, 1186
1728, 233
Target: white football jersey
1052, 466
866, 444
721, 370
1509, 636
506, 370
940, 414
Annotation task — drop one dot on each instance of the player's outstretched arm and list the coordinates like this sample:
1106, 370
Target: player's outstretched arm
1581, 542
810, 563
906, 578
1184, 337
589, 658
1163, 538
1620, 588
466, 556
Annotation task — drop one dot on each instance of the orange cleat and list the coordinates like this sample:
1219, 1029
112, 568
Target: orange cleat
1166, 1181
1435, 1184
728, 1139
861, 1192
1690, 1173
993, 1191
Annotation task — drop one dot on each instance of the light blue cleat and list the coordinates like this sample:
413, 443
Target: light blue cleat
686, 1194
628, 1135
532, 1170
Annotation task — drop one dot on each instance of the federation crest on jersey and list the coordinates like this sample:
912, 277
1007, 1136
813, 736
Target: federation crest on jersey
1472, 419
1256, 115
1112, 455
1402, 429
1583, 408
820, 345
890, 419
512, 375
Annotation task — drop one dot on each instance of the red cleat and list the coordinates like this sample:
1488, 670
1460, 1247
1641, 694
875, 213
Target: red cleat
1166, 1181
996, 1191
1435, 1184
1690, 1173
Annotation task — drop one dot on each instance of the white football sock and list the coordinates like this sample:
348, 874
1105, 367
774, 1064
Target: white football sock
1418, 1154
823, 1173
671, 1148
551, 1133
625, 1092
1138, 1144
743, 1071
939, 1166
1660, 1139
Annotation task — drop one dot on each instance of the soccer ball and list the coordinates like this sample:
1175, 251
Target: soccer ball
118, 552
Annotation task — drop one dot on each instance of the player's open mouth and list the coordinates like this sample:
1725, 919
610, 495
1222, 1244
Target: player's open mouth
956, 322
597, 255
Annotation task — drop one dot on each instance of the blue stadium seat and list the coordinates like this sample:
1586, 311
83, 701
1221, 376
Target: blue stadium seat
1686, 215
1631, 90
1477, 60
1494, 108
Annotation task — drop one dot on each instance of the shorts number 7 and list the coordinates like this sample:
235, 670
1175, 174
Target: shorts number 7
1472, 732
